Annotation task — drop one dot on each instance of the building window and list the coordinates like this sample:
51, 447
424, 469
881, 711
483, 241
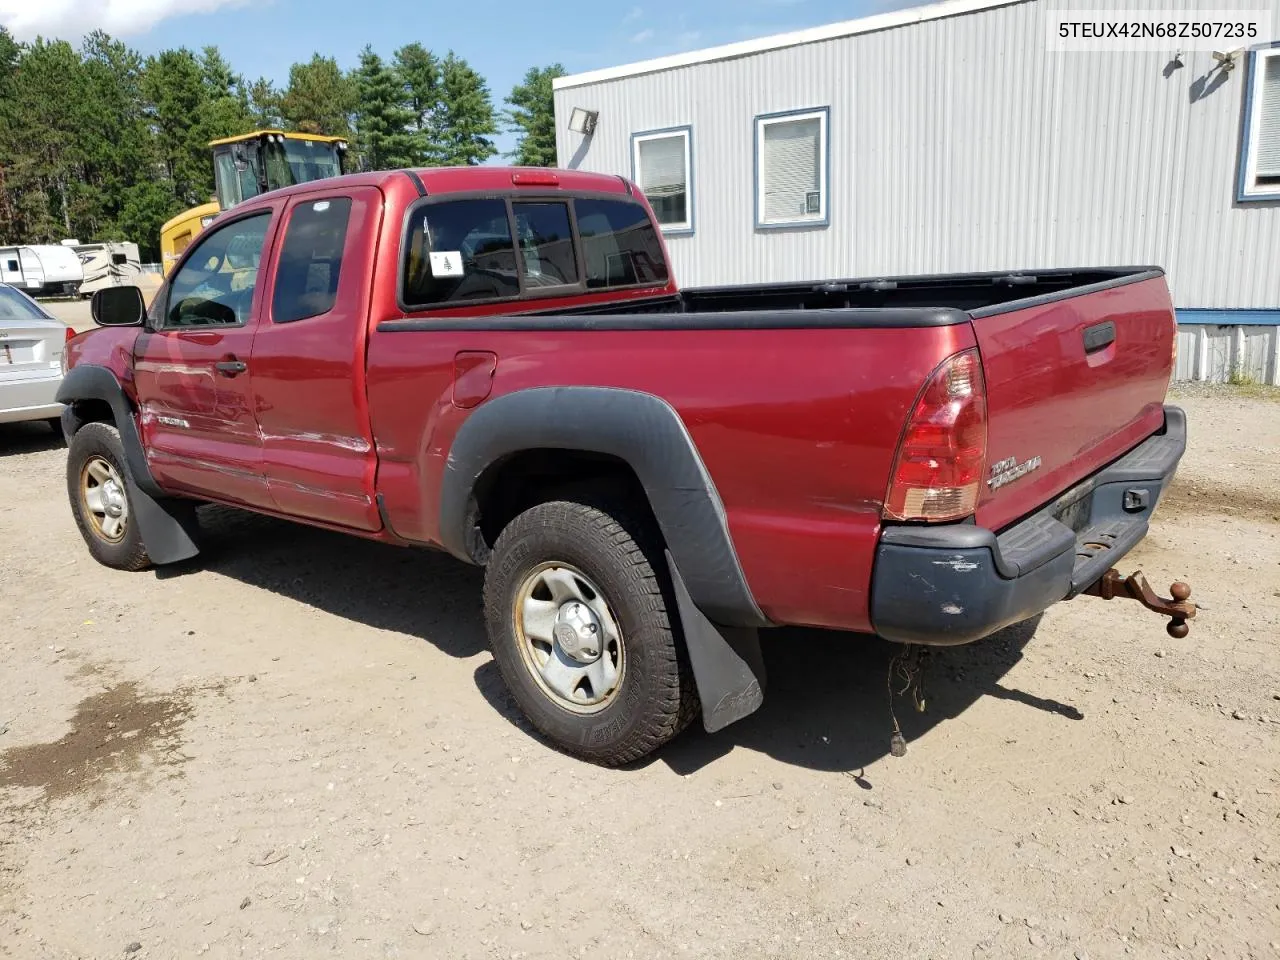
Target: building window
791, 169
1260, 166
662, 166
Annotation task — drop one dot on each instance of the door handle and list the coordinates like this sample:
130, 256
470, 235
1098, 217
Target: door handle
1099, 335
230, 368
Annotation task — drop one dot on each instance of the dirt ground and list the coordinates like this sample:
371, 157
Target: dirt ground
299, 747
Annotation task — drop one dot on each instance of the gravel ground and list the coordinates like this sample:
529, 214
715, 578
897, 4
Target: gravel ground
299, 747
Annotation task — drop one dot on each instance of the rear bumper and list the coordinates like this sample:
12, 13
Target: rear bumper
953, 584
30, 399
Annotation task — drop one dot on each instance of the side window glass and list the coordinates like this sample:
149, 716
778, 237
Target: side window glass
546, 244
619, 244
215, 286
310, 259
459, 250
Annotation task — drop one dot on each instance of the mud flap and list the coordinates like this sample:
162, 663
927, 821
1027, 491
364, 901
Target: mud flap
728, 666
168, 527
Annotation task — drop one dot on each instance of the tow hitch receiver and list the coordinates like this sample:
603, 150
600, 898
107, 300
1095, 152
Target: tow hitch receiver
1135, 587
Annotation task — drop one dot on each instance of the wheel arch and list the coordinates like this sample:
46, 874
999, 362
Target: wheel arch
167, 525
92, 393
627, 437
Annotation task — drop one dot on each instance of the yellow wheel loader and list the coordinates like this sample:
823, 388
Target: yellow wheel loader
247, 165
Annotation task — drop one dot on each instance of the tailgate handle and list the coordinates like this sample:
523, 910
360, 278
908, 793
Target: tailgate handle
1098, 336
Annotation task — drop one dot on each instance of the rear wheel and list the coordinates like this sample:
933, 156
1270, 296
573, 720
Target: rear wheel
98, 486
577, 615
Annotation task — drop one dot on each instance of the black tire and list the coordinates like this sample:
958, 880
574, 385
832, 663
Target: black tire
55, 424
93, 441
622, 556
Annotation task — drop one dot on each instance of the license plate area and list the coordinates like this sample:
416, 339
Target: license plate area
1075, 515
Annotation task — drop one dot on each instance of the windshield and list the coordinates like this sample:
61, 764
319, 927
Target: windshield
301, 161
14, 306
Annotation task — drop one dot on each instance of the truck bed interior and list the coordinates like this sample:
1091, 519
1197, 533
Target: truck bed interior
974, 293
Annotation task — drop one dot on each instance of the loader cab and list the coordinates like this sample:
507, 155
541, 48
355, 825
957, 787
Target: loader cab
250, 164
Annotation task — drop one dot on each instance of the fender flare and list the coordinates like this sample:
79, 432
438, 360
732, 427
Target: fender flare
91, 382
167, 525
642, 430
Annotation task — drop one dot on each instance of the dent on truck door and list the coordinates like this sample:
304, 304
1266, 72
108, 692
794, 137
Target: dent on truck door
308, 360
193, 378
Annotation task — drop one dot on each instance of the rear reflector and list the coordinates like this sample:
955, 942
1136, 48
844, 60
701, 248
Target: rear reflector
938, 471
535, 178
70, 335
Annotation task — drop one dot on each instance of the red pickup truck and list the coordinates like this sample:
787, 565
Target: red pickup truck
498, 363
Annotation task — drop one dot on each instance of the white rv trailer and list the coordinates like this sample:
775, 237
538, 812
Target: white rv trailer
41, 269
109, 264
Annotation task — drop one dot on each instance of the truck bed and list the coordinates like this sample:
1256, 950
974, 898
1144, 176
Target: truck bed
818, 380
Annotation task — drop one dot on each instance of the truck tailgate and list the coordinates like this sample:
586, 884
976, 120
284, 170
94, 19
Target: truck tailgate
1073, 382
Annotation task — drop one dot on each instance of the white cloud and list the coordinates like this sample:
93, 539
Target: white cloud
71, 19
644, 36
634, 14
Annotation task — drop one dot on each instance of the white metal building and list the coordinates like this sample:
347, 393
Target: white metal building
950, 138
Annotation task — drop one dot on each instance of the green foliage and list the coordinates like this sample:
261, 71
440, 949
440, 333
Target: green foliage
531, 114
174, 90
419, 71
264, 105
100, 143
319, 98
382, 115
466, 115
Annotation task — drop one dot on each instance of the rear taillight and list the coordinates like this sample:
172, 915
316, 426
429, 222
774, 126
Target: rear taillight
63, 359
938, 471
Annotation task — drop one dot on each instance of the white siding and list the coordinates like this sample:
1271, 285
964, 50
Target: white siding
962, 144
1218, 353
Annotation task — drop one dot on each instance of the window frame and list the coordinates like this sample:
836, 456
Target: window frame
759, 123
689, 226
525, 295
286, 221
1247, 190
196, 243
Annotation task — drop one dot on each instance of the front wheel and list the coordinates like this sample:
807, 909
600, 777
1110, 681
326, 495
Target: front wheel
98, 487
577, 615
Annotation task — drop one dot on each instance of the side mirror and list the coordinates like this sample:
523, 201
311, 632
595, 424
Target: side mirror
118, 307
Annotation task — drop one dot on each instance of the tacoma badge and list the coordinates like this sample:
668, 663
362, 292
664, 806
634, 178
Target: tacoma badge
1009, 470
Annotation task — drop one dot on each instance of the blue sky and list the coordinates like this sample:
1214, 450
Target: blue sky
500, 38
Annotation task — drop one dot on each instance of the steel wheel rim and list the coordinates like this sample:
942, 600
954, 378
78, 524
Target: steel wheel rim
578, 669
102, 495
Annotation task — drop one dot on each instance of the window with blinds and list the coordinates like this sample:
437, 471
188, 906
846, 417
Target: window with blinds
791, 169
1262, 162
661, 164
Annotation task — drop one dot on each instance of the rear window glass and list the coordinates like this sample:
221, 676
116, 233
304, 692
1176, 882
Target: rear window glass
459, 250
14, 306
619, 244
546, 244
311, 259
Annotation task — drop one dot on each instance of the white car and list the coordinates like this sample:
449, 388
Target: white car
31, 348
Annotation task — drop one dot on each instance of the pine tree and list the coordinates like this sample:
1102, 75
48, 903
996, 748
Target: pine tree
382, 115
466, 117
419, 70
532, 116
320, 98
174, 87
264, 105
